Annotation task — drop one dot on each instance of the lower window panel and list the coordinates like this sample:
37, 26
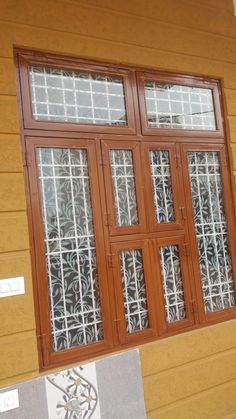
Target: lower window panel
172, 283
134, 290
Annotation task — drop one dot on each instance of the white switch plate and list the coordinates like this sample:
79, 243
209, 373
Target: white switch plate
12, 286
9, 400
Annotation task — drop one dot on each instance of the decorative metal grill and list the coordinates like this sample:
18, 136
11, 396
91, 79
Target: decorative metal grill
211, 230
134, 290
70, 247
162, 188
179, 107
124, 187
69, 96
172, 283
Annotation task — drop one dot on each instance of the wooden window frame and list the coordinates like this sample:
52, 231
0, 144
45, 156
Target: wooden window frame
110, 239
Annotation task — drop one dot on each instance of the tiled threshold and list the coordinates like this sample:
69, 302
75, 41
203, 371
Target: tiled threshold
110, 388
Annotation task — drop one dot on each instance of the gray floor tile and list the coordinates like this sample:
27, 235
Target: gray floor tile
120, 388
32, 401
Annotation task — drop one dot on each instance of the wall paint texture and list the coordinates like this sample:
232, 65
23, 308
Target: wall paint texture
190, 375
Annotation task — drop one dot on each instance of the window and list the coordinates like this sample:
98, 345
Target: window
130, 204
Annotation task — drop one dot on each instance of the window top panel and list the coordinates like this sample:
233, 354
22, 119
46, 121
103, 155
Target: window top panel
172, 106
78, 97
177, 105
69, 94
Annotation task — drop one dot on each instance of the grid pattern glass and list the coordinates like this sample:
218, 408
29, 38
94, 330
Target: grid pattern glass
211, 230
134, 290
179, 107
172, 283
162, 188
70, 247
124, 187
77, 97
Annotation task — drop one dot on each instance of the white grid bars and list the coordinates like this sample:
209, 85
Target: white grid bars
179, 107
84, 98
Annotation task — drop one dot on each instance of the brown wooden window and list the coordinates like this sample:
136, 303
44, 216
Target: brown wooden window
130, 206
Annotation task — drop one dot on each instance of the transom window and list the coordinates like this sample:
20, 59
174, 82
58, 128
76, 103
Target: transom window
132, 216
175, 106
59, 95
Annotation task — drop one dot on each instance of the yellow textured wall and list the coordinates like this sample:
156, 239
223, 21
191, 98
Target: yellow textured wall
190, 375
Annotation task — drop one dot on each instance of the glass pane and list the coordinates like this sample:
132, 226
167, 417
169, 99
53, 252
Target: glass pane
179, 107
162, 188
172, 283
69, 247
211, 230
124, 187
69, 96
134, 290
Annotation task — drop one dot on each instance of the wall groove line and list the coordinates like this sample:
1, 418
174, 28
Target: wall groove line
122, 43
148, 19
192, 396
192, 362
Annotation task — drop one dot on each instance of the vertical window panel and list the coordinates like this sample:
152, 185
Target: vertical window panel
172, 283
124, 191
161, 185
134, 290
211, 230
69, 247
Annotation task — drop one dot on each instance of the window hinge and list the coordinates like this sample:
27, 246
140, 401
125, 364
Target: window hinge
110, 261
103, 160
183, 213
117, 322
41, 343
107, 222
193, 306
186, 249
226, 160
177, 160
27, 161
